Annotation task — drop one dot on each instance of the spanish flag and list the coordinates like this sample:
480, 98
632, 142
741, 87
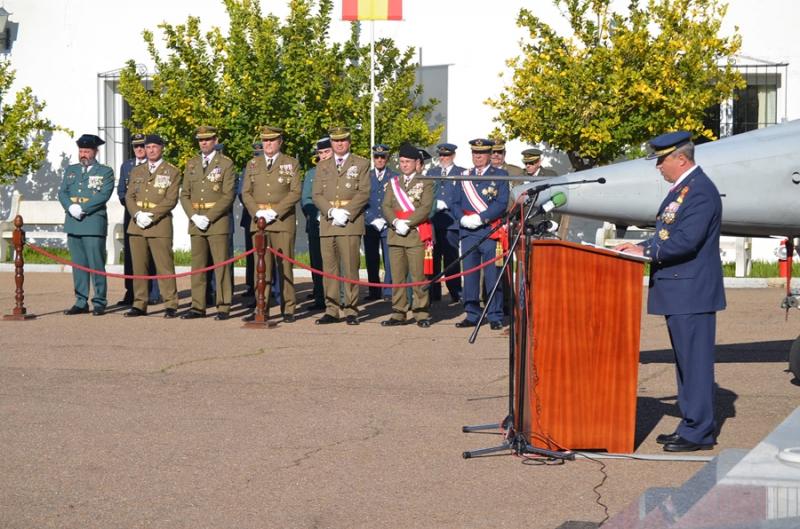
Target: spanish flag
372, 9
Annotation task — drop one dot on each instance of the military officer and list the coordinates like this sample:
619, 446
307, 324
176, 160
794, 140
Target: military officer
84, 192
324, 151
445, 226
271, 191
341, 192
499, 159
152, 194
407, 207
207, 197
686, 284
479, 205
532, 158
376, 234
139, 157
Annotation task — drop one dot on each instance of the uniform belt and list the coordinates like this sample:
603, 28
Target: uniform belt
79, 200
203, 205
340, 203
145, 204
266, 205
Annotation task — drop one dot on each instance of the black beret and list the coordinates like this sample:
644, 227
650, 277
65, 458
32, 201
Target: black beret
408, 151
153, 138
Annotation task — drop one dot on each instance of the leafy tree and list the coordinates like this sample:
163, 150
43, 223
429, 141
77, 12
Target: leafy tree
23, 130
619, 79
265, 71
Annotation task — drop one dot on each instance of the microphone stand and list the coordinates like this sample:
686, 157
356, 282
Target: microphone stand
515, 439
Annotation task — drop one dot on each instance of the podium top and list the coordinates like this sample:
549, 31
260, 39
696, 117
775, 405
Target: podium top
592, 248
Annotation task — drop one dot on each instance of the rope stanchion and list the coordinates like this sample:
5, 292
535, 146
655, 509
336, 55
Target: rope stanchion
19, 312
261, 316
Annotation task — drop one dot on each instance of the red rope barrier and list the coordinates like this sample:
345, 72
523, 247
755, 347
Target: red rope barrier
58, 259
278, 254
382, 285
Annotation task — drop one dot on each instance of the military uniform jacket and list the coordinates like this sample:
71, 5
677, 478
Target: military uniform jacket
90, 191
686, 271
156, 193
209, 192
377, 190
513, 170
346, 189
278, 188
421, 194
446, 190
494, 193
124, 177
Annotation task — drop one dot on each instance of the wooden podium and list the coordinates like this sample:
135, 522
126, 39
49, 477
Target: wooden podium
579, 342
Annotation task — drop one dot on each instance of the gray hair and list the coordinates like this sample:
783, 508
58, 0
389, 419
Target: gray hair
686, 150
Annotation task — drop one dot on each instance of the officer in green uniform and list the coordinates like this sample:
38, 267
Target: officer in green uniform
341, 192
271, 190
207, 197
152, 194
532, 158
498, 159
86, 188
407, 207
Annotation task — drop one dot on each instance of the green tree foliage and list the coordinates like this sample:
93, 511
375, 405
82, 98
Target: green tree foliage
23, 130
269, 71
619, 79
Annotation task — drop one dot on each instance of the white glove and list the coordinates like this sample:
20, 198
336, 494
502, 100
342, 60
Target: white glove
201, 221
401, 227
268, 215
76, 211
441, 205
379, 223
339, 216
471, 222
144, 219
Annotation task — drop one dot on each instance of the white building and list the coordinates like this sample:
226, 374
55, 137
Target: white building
63, 48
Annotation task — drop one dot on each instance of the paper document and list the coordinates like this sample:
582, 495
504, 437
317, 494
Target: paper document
641, 258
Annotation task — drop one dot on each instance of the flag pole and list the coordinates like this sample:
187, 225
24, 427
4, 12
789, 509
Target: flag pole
372, 90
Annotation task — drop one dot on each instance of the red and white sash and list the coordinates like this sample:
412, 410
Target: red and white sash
474, 198
402, 197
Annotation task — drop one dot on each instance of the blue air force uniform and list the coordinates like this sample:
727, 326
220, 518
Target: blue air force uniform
686, 287
495, 194
376, 242
87, 188
445, 225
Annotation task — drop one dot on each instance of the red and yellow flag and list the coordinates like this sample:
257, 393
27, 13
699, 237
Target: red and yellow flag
372, 9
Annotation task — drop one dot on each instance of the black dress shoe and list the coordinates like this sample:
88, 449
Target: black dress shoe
391, 322
98, 311
222, 316
76, 310
496, 325
125, 302
171, 313
424, 323
134, 312
466, 322
455, 298
191, 314
352, 320
666, 438
326, 319
317, 306
372, 297
682, 445
387, 298
289, 318
250, 317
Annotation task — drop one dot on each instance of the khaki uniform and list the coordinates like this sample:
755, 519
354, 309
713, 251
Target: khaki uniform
278, 188
156, 193
210, 192
513, 170
346, 188
407, 253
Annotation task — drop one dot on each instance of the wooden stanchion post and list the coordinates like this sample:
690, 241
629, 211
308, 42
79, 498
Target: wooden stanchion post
20, 313
261, 316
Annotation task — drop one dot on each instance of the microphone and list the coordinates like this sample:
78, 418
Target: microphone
556, 201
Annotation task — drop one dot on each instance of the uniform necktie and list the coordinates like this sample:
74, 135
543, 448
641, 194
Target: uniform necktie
269, 164
85, 170
205, 162
339, 163
444, 171
152, 168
